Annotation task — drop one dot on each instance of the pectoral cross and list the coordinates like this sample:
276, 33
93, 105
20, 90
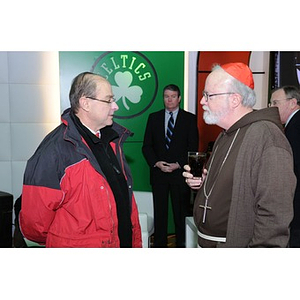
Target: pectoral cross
205, 208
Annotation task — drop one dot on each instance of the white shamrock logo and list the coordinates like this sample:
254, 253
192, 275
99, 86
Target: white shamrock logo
123, 89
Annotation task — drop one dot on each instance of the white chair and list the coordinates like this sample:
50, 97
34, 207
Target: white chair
191, 235
144, 201
32, 244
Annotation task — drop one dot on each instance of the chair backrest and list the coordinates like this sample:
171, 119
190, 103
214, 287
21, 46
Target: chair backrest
144, 201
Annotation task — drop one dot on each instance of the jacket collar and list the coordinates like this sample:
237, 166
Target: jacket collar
116, 131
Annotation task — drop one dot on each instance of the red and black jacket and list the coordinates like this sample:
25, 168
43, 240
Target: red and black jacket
66, 199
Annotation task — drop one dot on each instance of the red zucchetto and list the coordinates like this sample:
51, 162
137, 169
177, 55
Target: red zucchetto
241, 72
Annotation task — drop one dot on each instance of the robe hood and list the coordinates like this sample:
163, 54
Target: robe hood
270, 114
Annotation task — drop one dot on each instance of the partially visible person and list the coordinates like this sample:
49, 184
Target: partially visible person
77, 189
166, 152
245, 196
287, 99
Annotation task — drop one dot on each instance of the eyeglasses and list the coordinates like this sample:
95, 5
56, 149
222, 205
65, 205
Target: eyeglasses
207, 95
274, 102
112, 100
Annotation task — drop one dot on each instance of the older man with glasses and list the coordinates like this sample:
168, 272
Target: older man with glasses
287, 99
245, 195
77, 189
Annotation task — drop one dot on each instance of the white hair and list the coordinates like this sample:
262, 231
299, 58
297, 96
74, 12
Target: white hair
248, 95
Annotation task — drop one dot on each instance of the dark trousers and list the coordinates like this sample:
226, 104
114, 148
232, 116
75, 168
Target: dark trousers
180, 198
294, 238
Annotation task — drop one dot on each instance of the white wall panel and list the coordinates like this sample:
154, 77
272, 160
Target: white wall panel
3, 67
5, 148
30, 109
5, 176
38, 101
4, 101
33, 67
26, 137
259, 64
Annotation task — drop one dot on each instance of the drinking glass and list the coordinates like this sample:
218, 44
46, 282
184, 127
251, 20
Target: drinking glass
196, 161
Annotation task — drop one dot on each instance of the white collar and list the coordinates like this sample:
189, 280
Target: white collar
290, 117
91, 130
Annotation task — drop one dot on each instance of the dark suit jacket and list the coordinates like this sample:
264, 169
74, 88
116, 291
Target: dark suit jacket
292, 132
185, 138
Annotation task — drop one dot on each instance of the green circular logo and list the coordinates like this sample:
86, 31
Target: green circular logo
133, 79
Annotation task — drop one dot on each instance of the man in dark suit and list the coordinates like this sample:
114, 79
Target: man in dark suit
170, 133
287, 99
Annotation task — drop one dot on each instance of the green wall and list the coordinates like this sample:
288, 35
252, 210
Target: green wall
138, 79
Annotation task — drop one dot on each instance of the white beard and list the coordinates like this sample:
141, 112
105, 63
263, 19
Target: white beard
213, 118
209, 118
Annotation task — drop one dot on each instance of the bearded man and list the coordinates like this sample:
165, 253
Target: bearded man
245, 196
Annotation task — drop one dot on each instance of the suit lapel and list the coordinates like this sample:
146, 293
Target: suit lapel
294, 119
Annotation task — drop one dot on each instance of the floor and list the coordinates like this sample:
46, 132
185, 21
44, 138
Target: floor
171, 241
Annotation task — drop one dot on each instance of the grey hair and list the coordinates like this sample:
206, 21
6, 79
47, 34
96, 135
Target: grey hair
84, 84
235, 86
290, 92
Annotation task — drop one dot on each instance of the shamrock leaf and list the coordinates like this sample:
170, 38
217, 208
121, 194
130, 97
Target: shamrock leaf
123, 89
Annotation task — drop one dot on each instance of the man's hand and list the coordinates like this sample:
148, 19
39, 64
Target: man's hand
193, 182
167, 167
